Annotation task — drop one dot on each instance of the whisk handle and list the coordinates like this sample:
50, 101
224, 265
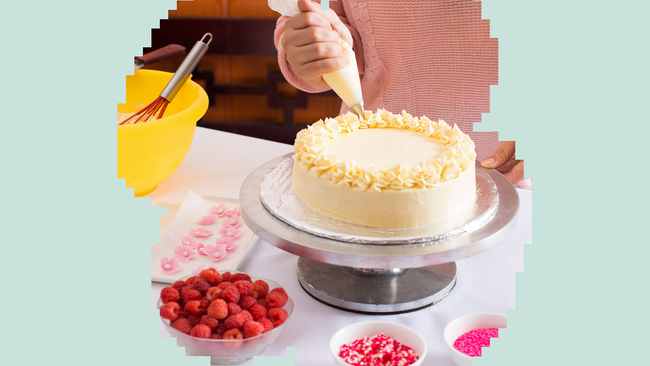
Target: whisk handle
187, 66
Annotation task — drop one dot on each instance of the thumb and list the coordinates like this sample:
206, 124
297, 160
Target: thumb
308, 5
504, 153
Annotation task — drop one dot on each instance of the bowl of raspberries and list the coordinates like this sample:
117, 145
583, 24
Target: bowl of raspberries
228, 316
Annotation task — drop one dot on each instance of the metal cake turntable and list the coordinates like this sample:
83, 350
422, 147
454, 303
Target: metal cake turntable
384, 271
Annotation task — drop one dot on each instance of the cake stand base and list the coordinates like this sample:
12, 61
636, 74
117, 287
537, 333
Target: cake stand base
376, 291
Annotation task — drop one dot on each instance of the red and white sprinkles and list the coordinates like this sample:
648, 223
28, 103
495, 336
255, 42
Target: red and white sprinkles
378, 350
471, 342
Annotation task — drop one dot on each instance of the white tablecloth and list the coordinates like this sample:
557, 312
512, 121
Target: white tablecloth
218, 163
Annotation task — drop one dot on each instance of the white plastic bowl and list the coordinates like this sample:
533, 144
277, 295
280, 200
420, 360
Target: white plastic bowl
466, 323
401, 333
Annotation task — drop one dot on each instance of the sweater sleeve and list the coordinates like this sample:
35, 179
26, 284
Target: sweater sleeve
286, 69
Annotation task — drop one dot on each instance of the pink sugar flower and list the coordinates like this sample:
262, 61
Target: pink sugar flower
184, 253
230, 233
200, 232
187, 240
216, 252
218, 210
234, 211
229, 242
169, 266
207, 220
200, 248
233, 222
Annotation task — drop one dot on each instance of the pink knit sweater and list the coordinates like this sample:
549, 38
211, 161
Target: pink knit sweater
427, 57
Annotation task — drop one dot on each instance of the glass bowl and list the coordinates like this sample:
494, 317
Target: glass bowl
229, 351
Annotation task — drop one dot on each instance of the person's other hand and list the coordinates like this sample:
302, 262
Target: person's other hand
311, 42
504, 161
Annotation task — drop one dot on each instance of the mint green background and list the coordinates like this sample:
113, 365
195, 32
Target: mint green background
573, 93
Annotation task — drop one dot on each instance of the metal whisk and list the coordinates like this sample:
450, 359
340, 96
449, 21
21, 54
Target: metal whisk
156, 109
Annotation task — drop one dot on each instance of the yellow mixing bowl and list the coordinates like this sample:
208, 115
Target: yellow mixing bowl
149, 152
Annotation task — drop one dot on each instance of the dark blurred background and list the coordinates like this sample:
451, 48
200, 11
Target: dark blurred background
248, 94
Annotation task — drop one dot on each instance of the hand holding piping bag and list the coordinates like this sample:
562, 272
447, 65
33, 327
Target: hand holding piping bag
319, 49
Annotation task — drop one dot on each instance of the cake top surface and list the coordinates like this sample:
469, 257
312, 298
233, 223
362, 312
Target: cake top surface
383, 151
385, 147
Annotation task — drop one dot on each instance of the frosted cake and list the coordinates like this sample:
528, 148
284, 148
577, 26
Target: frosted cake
385, 170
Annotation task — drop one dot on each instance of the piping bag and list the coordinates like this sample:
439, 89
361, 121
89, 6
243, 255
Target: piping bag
344, 82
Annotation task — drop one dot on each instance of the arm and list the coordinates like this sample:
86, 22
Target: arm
307, 45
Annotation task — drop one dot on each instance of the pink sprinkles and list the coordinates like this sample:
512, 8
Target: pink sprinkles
379, 350
471, 342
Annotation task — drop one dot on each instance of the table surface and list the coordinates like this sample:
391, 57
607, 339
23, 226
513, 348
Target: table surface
217, 164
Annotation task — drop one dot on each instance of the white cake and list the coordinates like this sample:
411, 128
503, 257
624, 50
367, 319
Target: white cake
385, 170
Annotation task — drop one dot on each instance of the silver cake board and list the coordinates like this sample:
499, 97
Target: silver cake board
381, 277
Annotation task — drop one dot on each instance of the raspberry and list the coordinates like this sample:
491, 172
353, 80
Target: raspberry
194, 319
279, 290
191, 280
201, 331
276, 300
211, 276
213, 293
259, 292
246, 302
201, 286
218, 309
170, 311
233, 308
245, 287
226, 276
240, 276
188, 294
267, 324
277, 316
233, 334
169, 294
246, 315
182, 325
178, 285
263, 284
257, 311
224, 284
234, 321
210, 322
215, 336
252, 329
221, 329
230, 294
197, 307
263, 302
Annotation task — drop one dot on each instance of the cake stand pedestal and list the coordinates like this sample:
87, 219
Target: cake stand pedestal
377, 278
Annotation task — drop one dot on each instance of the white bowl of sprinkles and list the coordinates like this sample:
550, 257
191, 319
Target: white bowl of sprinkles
395, 344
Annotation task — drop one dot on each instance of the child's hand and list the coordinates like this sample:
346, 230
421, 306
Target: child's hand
311, 42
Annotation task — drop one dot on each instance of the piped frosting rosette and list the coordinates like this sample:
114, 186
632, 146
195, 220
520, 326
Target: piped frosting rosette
311, 151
